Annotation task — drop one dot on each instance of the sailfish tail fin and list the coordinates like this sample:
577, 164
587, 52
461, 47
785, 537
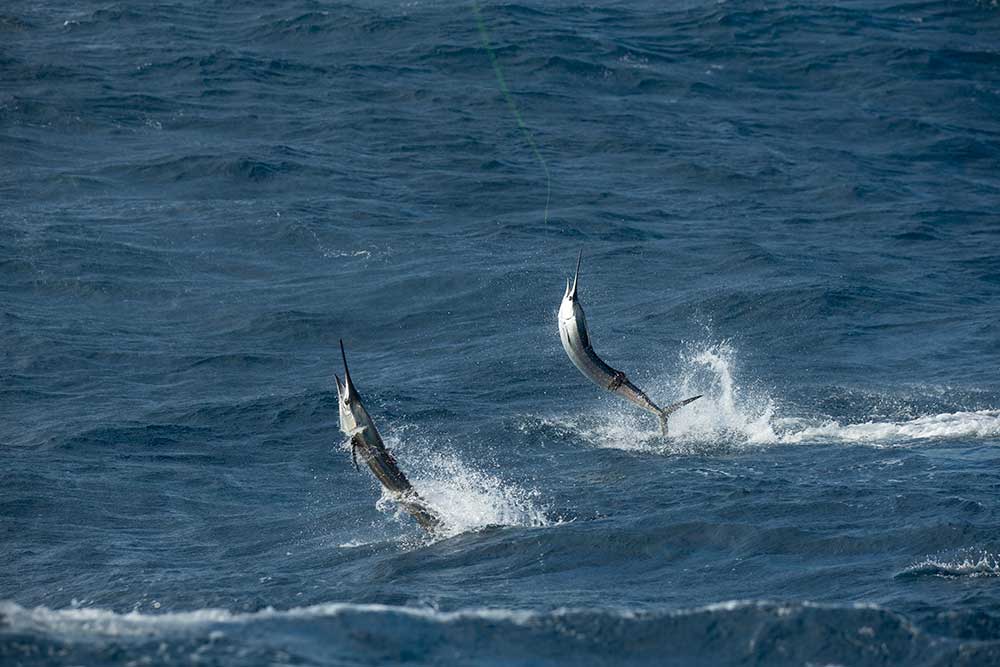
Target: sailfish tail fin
672, 408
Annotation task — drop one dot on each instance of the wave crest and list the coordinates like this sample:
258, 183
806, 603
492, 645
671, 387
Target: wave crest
970, 564
735, 632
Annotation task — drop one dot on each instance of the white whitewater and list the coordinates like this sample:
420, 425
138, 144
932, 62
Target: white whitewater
738, 415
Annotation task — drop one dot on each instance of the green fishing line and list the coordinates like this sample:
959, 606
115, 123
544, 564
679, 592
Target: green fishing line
484, 34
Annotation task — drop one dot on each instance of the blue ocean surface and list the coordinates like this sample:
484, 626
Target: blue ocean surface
791, 208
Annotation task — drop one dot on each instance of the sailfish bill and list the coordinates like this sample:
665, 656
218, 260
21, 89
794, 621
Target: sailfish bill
576, 341
357, 425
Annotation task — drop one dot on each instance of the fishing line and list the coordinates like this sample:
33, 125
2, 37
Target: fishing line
484, 35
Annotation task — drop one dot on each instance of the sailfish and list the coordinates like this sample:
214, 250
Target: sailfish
357, 424
576, 341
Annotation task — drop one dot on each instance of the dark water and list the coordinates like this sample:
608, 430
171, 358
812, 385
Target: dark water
792, 208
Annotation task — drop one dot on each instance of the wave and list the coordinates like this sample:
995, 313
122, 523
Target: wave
77, 622
732, 416
289, 326
732, 632
243, 169
970, 564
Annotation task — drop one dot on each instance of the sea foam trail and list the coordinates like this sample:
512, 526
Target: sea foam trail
977, 424
733, 416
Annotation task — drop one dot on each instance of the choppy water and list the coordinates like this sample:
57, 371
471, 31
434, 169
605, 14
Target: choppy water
791, 208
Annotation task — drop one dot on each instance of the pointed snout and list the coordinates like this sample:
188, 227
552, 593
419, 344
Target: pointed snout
346, 389
571, 288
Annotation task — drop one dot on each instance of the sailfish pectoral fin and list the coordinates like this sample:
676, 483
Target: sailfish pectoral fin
354, 434
617, 381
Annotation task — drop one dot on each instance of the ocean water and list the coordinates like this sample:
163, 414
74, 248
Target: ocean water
791, 208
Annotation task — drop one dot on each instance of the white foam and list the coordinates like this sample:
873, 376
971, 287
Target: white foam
464, 497
978, 424
733, 415
726, 409
971, 564
94, 623
726, 414
354, 544
328, 253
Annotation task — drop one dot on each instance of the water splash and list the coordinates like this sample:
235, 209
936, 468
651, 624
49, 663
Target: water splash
969, 563
735, 414
465, 497
726, 417
726, 411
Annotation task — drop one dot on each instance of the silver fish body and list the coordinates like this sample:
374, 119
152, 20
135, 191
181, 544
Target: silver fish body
357, 424
576, 341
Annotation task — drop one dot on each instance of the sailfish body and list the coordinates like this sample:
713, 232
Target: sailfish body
576, 341
357, 424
